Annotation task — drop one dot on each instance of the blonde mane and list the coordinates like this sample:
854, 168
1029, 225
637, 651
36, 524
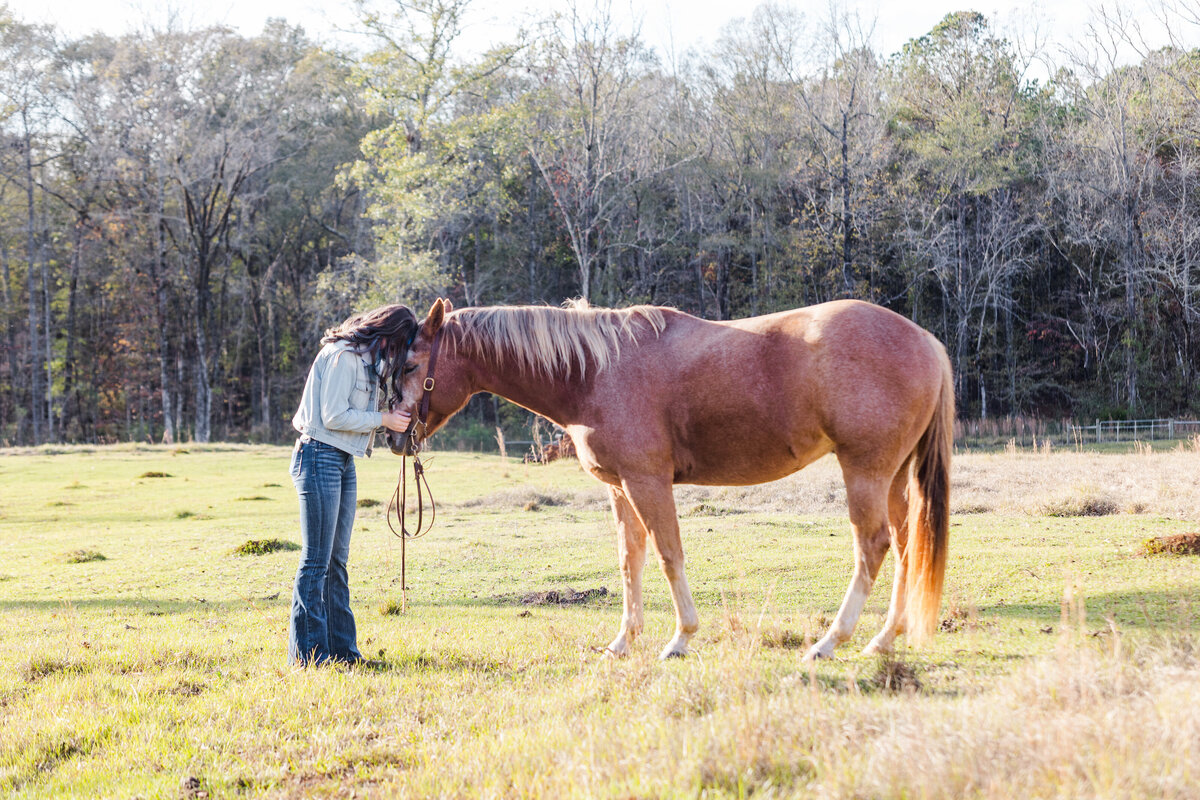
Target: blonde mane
552, 341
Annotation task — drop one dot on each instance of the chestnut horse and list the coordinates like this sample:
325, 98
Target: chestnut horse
653, 397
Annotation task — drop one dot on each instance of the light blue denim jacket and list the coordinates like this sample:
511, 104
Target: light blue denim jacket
339, 406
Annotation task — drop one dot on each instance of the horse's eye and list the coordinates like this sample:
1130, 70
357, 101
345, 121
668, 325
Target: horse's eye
409, 368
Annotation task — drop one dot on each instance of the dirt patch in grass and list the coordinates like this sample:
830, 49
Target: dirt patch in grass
153, 474
261, 547
82, 556
192, 788
40, 667
187, 689
895, 675
784, 639
711, 510
1179, 544
559, 597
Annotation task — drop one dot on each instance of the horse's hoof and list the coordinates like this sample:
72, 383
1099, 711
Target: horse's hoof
618, 649
669, 654
876, 649
817, 654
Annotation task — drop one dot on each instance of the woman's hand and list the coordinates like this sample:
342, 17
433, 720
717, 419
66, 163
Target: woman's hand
397, 421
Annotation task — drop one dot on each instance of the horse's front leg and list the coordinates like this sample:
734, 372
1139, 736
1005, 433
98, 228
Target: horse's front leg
631, 552
654, 503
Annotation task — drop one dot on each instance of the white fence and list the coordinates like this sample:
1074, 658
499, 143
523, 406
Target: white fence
1128, 430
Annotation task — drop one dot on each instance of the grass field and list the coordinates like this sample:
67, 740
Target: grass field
141, 656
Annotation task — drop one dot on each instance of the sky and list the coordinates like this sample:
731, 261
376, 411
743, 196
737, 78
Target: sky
667, 25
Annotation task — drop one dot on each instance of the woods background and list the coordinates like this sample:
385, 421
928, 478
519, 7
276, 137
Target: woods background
182, 212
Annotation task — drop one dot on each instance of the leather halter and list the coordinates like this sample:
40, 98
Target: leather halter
413, 444
422, 417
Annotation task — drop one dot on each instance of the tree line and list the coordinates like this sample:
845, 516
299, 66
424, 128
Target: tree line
182, 212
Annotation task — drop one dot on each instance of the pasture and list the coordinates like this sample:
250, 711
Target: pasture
141, 656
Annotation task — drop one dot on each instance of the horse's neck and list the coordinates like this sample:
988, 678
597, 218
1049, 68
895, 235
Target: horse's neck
557, 398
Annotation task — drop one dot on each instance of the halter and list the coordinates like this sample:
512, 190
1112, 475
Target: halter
413, 444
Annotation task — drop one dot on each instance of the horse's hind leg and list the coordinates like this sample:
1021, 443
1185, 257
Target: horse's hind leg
867, 496
631, 552
898, 514
654, 503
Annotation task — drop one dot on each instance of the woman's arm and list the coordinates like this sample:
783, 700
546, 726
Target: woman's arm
337, 385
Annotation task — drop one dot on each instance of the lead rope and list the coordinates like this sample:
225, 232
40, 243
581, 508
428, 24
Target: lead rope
400, 496
396, 508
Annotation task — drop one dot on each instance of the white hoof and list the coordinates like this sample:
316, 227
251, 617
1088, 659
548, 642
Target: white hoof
677, 648
820, 651
877, 647
619, 647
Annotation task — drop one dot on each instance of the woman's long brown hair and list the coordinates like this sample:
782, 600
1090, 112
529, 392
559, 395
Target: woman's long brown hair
385, 332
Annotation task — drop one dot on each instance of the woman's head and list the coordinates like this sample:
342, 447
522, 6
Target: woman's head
385, 332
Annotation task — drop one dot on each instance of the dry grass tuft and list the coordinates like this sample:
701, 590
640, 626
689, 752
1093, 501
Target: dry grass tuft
529, 499
368, 502
391, 608
1180, 544
1084, 502
155, 474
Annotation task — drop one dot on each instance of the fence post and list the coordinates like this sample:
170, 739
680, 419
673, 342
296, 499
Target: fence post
1171, 428
1097, 430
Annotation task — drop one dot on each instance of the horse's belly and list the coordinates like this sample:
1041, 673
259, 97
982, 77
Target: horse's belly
746, 464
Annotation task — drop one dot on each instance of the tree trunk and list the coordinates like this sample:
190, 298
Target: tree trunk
14, 369
158, 268
72, 404
47, 339
847, 227
35, 367
202, 390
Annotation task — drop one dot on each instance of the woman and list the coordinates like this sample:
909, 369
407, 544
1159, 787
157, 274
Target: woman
337, 420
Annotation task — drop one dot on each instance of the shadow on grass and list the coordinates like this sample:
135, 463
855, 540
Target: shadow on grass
134, 605
1176, 608
440, 661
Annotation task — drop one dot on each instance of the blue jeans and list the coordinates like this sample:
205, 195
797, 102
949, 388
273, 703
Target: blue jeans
322, 625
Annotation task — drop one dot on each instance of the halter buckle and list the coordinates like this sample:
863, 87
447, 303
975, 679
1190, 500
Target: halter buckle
429, 384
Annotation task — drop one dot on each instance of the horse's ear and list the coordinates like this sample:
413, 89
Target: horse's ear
437, 315
447, 304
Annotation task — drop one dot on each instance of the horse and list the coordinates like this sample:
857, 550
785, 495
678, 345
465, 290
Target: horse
652, 397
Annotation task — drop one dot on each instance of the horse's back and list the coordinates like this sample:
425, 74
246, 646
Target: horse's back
755, 399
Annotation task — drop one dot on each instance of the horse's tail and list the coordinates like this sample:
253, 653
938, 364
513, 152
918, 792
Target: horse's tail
929, 512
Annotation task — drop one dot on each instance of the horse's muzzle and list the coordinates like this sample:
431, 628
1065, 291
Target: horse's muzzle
400, 444
407, 443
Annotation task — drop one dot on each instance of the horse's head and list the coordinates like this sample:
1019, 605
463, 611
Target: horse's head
446, 386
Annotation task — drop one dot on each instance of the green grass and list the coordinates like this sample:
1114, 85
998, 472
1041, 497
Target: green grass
163, 666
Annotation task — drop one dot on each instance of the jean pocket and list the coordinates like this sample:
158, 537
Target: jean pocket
297, 461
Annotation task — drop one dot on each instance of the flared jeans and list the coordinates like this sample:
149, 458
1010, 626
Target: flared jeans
322, 625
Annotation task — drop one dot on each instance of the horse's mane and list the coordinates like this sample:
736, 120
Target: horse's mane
552, 341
